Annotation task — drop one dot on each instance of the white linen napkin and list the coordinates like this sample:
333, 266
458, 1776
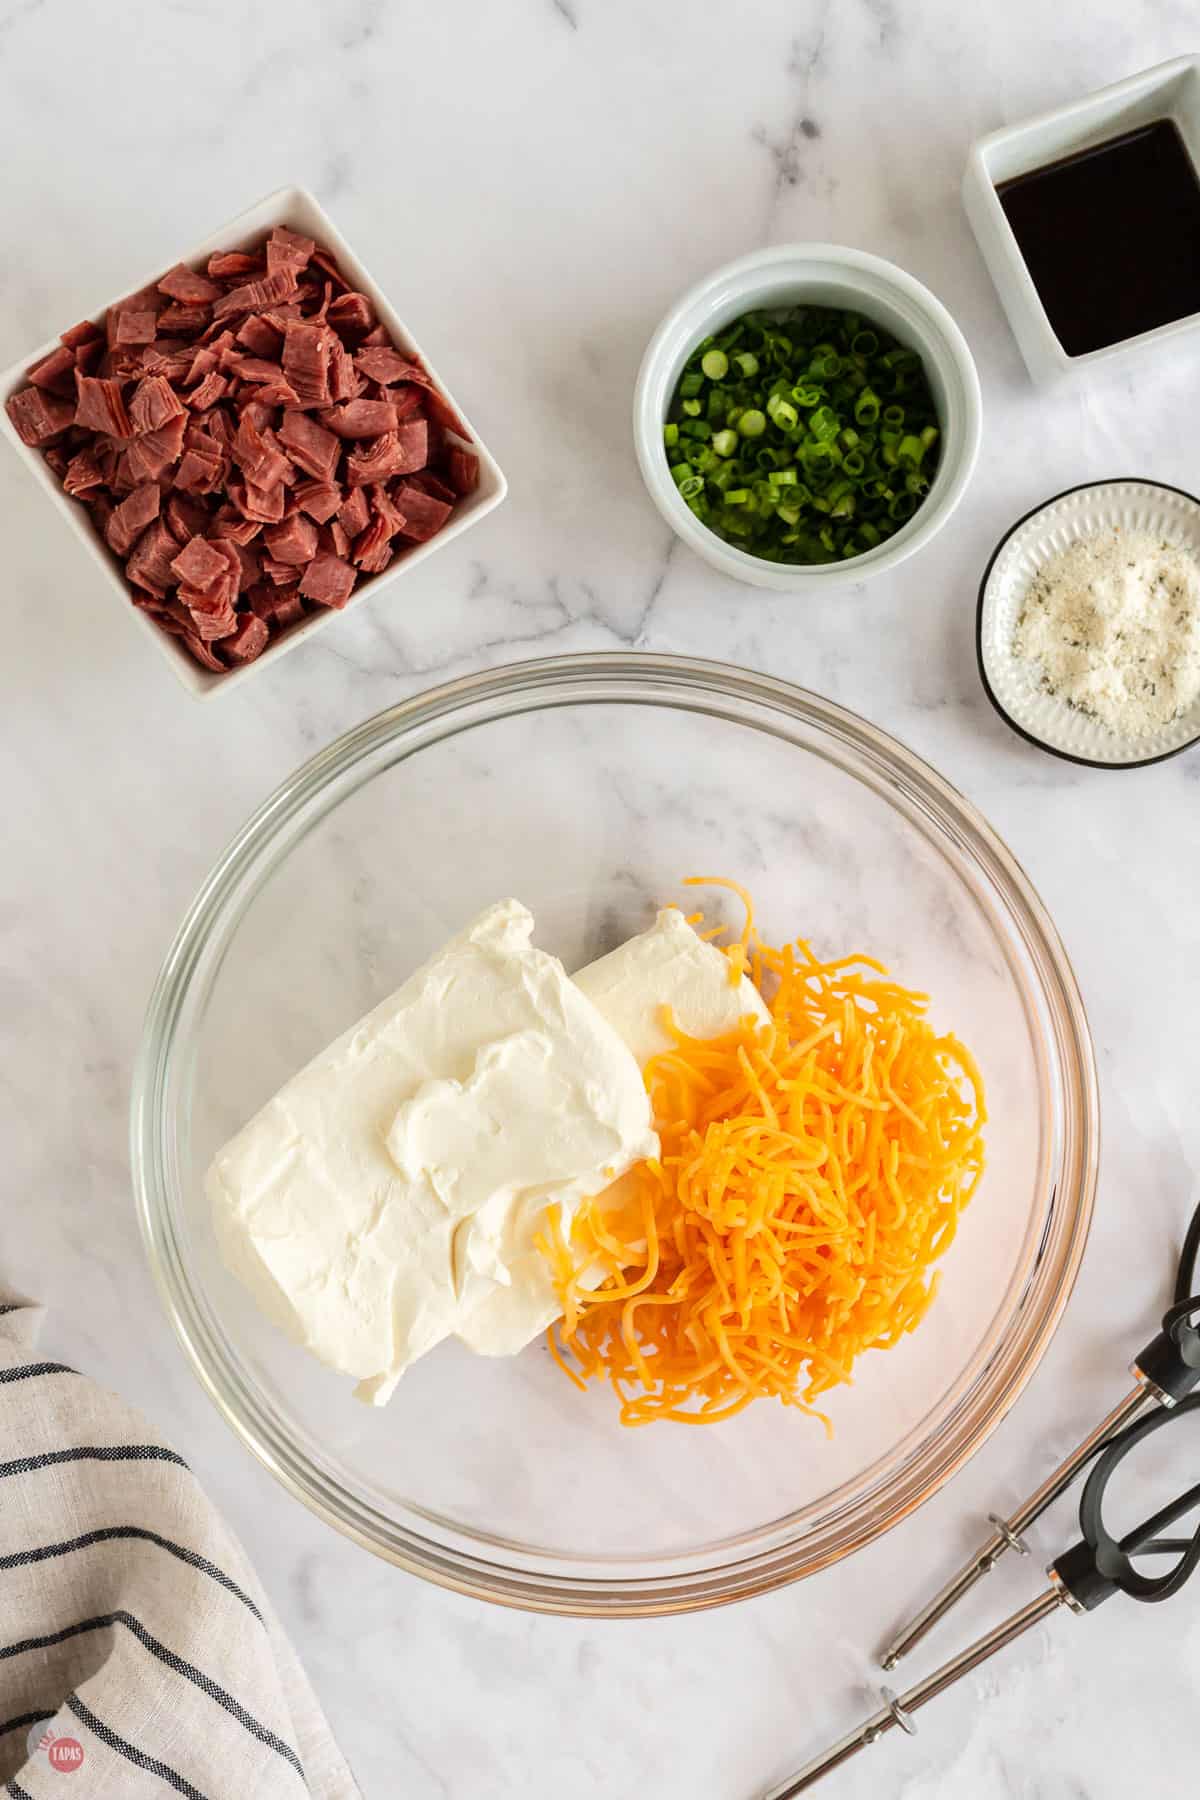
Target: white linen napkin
136, 1647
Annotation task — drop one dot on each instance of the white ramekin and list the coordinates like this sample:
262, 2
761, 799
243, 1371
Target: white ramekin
826, 275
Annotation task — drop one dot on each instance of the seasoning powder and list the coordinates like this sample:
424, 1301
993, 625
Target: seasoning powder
1113, 626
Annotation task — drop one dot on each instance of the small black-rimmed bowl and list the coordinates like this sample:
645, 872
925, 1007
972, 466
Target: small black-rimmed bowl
1010, 682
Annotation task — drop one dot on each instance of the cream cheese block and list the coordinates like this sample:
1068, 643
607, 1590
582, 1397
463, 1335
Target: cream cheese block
351, 1205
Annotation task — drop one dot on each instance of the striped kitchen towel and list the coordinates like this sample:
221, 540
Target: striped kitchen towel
137, 1651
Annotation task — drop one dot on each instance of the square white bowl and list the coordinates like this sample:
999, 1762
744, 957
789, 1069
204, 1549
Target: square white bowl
1171, 90
295, 207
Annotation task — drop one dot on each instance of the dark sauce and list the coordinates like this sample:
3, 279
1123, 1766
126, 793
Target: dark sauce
1111, 236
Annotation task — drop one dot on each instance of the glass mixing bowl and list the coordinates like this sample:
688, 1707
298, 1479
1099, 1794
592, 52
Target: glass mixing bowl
588, 786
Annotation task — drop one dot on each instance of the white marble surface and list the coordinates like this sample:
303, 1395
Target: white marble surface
532, 183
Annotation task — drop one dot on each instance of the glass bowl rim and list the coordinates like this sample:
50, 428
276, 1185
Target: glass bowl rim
632, 677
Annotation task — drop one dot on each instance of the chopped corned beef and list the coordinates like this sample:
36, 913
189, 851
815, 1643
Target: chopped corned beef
207, 392
360, 418
101, 405
230, 524
249, 368
462, 469
258, 454
254, 502
373, 548
150, 565
345, 382
221, 429
319, 499
335, 537
84, 333
202, 652
248, 561
254, 295
423, 515
306, 349
383, 364
131, 325
328, 266
90, 355
260, 337
131, 518
293, 541
153, 403
399, 452
406, 400
328, 580
354, 511
277, 605
287, 249
199, 564
279, 573
248, 641
82, 474
184, 321
56, 373
351, 316
199, 472
209, 626
190, 289
185, 517
151, 455
310, 446
223, 264
39, 417
429, 483
384, 509
269, 393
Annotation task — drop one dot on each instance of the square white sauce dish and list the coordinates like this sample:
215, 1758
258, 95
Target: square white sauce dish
1088, 218
248, 442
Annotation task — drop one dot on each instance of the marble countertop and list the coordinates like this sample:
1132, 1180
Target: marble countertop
532, 184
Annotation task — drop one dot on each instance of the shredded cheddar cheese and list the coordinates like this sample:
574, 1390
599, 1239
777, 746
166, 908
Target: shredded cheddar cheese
812, 1171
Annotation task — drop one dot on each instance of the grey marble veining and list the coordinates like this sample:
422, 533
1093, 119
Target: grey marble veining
532, 184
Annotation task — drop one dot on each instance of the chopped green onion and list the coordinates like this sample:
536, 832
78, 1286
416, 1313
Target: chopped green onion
803, 434
910, 450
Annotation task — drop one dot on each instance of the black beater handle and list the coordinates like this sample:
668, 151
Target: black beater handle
1101, 1565
1170, 1362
